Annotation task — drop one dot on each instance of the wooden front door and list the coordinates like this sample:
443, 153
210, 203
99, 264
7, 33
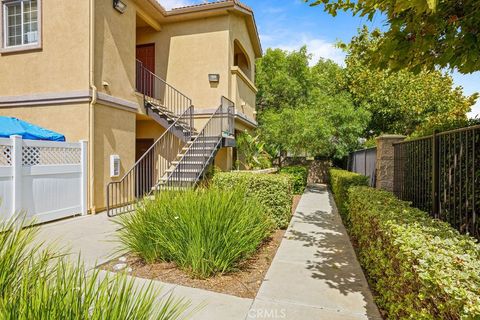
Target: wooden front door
145, 172
145, 81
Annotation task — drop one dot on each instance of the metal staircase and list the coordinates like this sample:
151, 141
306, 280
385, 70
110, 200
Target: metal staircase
164, 103
199, 153
180, 157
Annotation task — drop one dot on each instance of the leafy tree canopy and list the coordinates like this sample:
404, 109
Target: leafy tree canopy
303, 109
421, 33
403, 102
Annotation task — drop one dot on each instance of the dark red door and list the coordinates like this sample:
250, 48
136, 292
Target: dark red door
145, 80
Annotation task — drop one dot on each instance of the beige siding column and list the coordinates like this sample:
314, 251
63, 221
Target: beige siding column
386, 160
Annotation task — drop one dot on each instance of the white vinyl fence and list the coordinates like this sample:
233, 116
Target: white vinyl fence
46, 180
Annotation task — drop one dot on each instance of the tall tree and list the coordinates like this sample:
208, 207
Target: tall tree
421, 33
303, 109
283, 79
403, 102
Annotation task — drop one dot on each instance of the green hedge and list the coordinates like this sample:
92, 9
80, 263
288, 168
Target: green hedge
274, 191
300, 175
420, 267
340, 182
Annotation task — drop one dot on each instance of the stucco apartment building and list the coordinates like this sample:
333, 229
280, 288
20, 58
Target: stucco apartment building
86, 69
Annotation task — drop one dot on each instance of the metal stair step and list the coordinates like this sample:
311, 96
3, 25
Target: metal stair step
206, 148
196, 155
183, 170
182, 179
172, 188
198, 163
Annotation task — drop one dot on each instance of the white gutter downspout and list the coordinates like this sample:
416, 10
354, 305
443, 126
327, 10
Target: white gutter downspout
91, 111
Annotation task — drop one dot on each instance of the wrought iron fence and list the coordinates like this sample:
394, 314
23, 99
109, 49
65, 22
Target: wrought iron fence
440, 174
364, 162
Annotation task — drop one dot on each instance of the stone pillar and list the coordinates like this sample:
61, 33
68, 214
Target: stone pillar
386, 161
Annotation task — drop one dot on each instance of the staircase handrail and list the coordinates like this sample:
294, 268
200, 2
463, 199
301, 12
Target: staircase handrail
172, 126
144, 73
219, 110
147, 153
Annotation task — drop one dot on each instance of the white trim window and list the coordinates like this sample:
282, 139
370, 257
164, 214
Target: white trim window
20, 23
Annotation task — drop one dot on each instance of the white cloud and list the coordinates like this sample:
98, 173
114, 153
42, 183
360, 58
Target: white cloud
170, 4
470, 84
475, 113
317, 47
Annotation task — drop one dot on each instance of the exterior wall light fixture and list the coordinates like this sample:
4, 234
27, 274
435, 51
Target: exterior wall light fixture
214, 77
120, 6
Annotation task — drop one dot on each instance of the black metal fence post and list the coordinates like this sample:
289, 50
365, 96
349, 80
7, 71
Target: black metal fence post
435, 175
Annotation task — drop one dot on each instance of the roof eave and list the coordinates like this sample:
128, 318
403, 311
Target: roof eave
196, 11
231, 5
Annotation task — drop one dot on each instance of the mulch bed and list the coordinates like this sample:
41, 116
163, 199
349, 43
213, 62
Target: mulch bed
243, 283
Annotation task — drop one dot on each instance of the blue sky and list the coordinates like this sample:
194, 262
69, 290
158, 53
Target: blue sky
290, 24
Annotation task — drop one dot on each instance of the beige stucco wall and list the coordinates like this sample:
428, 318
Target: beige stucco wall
62, 63
149, 129
224, 159
244, 93
186, 52
114, 134
115, 50
238, 31
241, 91
54, 118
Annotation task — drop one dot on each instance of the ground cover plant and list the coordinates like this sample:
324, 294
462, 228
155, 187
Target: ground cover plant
39, 283
299, 175
204, 232
421, 268
273, 191
340, 182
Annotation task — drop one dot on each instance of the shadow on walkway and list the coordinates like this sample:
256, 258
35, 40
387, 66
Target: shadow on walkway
333, 261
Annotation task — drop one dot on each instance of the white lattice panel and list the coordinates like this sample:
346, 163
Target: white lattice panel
5, 155
33, 156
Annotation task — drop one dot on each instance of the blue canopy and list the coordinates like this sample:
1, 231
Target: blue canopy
10, 126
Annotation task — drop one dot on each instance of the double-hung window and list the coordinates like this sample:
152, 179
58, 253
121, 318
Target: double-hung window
21, 25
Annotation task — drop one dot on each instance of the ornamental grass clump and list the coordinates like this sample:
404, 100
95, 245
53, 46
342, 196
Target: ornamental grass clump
204, 232
39, 283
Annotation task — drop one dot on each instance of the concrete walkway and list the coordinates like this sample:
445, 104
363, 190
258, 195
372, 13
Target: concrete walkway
92, 236
315, 274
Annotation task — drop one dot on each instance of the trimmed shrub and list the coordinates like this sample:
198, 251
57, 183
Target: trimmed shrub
37, 282
299, 175
340, 182
274, 191
420, 267
204, 232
